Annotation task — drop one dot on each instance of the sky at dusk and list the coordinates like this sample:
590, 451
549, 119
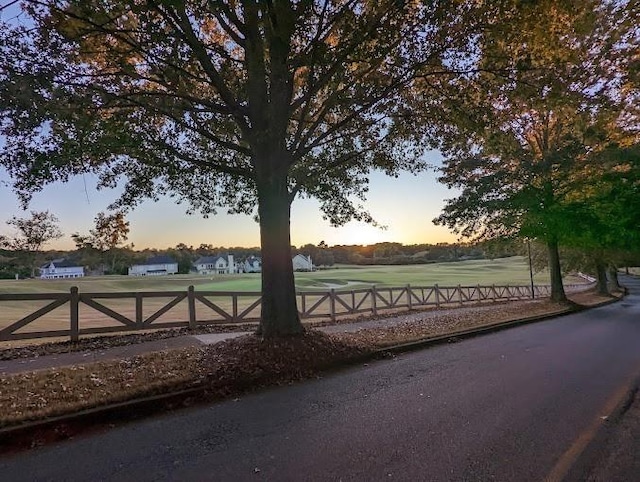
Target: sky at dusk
406, 205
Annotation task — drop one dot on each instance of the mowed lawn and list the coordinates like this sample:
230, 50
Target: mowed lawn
512, 271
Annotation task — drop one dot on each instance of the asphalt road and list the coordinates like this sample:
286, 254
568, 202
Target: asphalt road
504, 406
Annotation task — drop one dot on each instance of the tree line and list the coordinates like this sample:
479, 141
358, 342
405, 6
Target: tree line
103, 250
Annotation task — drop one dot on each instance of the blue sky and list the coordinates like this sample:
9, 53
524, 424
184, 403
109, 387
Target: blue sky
406, 205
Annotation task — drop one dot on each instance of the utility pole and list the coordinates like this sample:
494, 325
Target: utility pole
533, 294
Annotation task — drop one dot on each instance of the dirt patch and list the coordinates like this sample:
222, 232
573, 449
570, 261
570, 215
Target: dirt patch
251, 361
56, 391
430, 326
110, 341
591, 298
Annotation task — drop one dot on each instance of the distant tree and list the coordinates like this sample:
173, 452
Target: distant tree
110, 233
184, 256
205, 249
341, 254
323, 255
87, 254
502, 247
12, 264
33, 233
387, 250
111, 230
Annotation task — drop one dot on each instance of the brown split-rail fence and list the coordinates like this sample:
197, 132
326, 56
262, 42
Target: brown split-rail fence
134, 311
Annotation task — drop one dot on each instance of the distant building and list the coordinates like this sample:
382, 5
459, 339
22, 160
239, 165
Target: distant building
215, 265
61, 269
302, 263
252, 264
155, 266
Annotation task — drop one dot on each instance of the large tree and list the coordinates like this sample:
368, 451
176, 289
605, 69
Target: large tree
607, 211
235, 103
527, 147
518, 182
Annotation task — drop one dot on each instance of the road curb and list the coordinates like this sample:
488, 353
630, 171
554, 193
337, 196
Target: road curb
470, 333
30, 434
486, 329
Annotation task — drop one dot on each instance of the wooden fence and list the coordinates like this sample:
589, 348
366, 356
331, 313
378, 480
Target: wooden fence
151, 310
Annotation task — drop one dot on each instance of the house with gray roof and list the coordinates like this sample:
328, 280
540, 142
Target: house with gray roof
252, 264
215, 265
155, 266
61, 269
302, 263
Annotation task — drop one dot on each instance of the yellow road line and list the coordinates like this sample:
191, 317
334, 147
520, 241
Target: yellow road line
570, 456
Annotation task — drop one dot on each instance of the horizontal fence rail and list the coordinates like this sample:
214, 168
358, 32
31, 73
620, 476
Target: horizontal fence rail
147, 310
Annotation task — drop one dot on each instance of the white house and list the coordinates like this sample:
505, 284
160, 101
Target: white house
252, 264
216, 265
61, 268
155, 266
302, 263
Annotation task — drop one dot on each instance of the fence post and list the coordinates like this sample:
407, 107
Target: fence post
303, 302
139, 315
74, 302
479, 294
374, 295
436, 290
495, 294
460, 295
234, 304
353, 301
191, 302
409, 300
332, 303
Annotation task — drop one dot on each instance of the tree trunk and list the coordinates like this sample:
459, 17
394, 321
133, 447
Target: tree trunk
114, 258
555, 272
279, 315
613, 275
601, 275
33, 262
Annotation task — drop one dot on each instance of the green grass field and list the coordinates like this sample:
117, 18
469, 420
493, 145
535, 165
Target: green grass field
484, 272
513, 271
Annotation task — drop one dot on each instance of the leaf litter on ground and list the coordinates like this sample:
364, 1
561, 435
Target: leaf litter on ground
235, 366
